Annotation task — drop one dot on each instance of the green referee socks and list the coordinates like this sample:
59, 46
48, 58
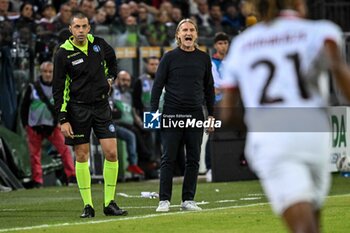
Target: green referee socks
110, 175
84, 181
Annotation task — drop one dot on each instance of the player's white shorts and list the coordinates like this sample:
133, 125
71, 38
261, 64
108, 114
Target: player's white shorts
292, 167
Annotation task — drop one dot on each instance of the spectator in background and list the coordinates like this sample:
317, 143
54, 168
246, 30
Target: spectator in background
124, 112
4, 10
143, 86
193, 7
100, 17
39, 119
142, 101
176, 15
48, 13
157, 32
46, 25
233, 22
288, 149
185, 72
46, 38
111, 12
205, 23
100, 3
166, 6
151, 9
144, 17
202, 17
221, 45
88, 7
132, 35
26, 18
63, 18
215, 18
248, 12
122, 101
6, 26
121, 22
24, 32
74, 4
184, 7
133, 8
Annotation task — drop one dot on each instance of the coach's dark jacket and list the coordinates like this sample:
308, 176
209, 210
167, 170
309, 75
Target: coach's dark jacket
81, 78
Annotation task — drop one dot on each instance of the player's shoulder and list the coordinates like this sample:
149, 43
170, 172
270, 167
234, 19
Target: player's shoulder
61, 51
171, 52
167, 55
328, 27
325, 29
201, 52
98, 40
203, 55
250, 33
327, 24
316, 27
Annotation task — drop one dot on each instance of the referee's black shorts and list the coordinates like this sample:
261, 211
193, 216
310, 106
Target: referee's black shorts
84, 117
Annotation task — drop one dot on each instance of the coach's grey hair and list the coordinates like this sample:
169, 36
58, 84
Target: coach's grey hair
178, 41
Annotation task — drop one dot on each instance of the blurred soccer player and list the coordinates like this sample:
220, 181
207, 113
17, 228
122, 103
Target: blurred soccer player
276, 65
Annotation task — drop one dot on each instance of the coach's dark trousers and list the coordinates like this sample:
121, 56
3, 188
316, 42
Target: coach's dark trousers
171, 140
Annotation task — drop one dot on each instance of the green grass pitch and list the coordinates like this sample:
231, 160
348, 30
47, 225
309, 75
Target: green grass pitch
227, 207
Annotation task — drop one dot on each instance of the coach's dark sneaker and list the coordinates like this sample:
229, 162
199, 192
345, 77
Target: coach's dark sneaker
88, 212
113, 210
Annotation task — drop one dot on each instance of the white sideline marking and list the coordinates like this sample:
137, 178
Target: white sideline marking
9, 210
126, 218
224, 201
142, 217
341, 195
249, 198
127, 195
256, 194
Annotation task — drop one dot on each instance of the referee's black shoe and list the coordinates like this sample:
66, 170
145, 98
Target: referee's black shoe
88, 212
113, 210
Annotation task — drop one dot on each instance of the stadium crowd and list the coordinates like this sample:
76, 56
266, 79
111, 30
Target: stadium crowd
44, 24
32, 30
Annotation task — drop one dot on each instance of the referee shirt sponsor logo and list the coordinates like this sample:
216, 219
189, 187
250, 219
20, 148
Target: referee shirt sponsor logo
72, 55
76, 62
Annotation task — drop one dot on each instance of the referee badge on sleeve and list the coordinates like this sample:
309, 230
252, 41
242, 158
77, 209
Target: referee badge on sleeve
111, 128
